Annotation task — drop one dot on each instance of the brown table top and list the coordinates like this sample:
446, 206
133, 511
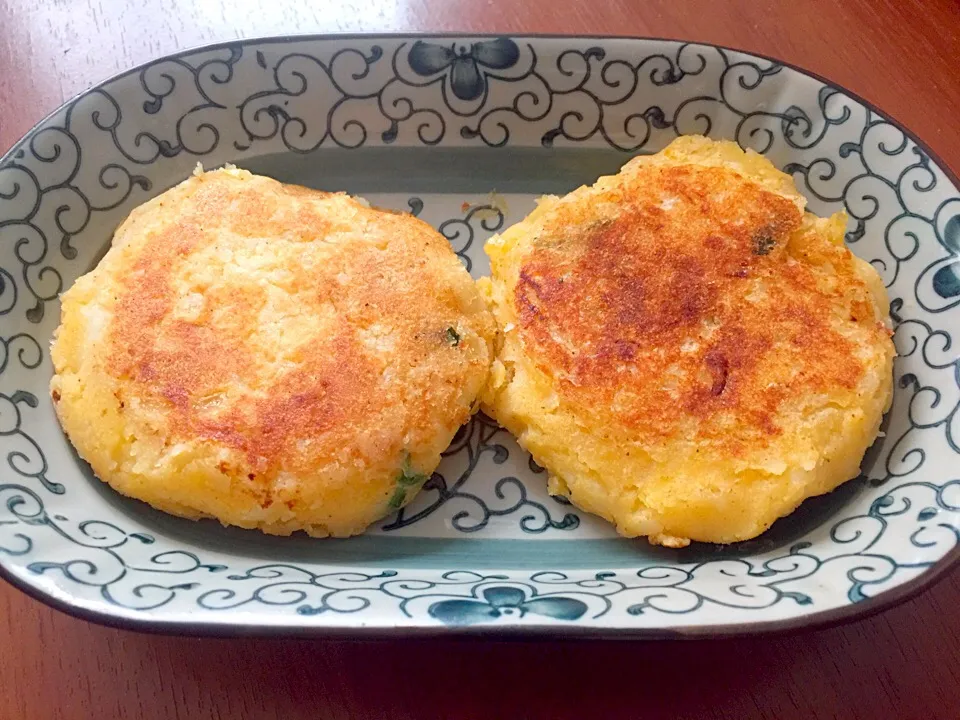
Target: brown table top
900, 54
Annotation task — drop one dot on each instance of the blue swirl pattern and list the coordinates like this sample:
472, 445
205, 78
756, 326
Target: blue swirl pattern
66, 185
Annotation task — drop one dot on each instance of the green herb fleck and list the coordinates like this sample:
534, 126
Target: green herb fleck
452, 337
399, 495
409, 477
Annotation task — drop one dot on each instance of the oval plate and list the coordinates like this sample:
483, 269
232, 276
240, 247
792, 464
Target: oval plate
466, 132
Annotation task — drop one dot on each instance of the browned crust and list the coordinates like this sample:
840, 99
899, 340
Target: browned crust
642, 310
335, 389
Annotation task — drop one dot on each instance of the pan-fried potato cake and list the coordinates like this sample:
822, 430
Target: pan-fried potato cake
271, 356
687, 352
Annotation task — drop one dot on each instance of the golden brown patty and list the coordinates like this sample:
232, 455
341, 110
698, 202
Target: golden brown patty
686, 351
270, 355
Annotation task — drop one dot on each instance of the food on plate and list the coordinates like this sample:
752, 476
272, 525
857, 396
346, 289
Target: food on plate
269, 355
687, 351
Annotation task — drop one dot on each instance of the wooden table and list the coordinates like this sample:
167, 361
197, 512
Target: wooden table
901, 54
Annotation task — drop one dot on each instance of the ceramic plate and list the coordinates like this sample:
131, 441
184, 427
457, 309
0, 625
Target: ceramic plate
465, 133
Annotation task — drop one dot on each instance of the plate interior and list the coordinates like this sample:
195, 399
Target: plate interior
466, 134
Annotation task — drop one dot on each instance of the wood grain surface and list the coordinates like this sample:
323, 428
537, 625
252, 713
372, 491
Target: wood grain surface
902, 55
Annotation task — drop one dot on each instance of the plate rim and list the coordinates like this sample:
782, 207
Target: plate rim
820, 620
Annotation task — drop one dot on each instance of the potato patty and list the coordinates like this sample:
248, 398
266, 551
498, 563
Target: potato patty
271, 356
687, 352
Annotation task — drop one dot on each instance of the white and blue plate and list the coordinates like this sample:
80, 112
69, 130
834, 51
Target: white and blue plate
465, 133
